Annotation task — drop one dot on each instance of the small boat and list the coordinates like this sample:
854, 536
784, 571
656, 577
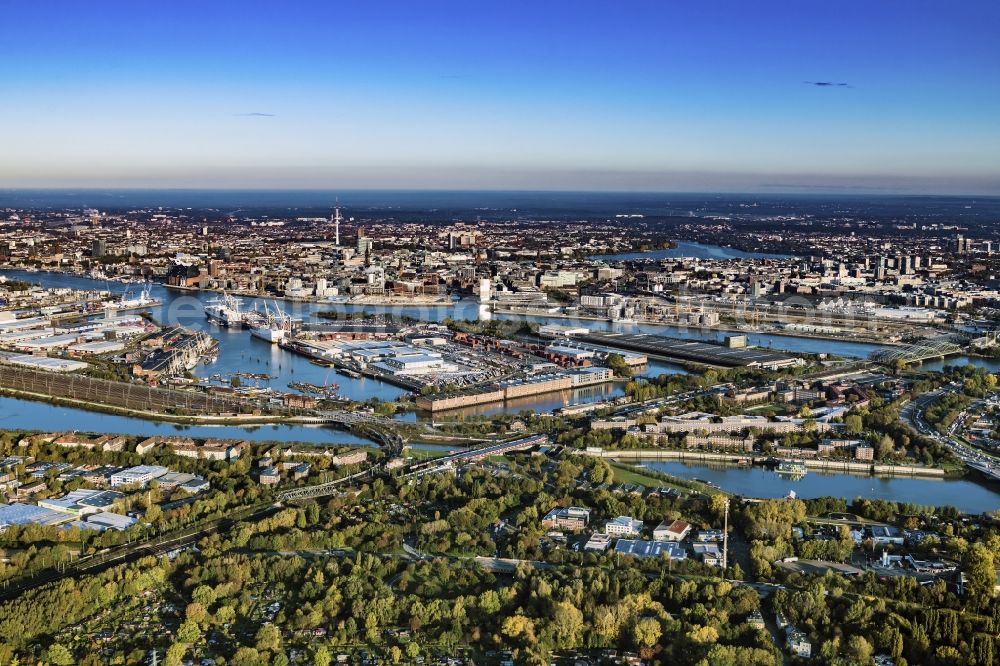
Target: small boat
792, 468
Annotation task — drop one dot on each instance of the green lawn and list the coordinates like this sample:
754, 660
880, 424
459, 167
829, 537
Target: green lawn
623, 475
424, 454
630, 475
771, 410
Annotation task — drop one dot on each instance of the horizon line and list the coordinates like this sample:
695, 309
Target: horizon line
832, 190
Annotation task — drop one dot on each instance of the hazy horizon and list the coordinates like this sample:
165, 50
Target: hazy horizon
589, 96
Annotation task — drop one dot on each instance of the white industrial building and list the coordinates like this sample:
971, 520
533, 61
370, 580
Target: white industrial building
140, 474
623, 526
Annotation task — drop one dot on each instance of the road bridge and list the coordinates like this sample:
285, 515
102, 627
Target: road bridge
989, 470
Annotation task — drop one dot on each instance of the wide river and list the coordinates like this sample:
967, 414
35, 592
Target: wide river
241, 352
968, 496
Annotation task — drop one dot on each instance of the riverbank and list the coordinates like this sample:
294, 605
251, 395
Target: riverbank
204, 419
969, 495
631, 474
708, 457
24, 414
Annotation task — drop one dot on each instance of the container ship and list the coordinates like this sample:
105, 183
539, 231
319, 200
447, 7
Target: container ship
225, 311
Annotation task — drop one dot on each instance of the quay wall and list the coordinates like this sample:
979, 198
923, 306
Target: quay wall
851, 467
126, 395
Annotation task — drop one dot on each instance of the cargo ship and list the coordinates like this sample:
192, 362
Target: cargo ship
225, 311
272, 325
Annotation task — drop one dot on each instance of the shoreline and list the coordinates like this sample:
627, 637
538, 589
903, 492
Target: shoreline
231, 420
708, 457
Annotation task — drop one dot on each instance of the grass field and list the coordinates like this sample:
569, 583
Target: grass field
424, 454
625, 474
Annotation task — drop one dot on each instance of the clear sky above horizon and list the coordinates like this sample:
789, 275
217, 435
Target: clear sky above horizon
514, 95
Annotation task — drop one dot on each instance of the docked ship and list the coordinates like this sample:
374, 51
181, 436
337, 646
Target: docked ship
792, 468
225, 311
130, 302
272, 325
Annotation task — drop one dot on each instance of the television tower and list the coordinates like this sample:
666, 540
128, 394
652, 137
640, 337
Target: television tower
336, 224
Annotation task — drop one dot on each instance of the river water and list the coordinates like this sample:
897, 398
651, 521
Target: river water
991, 364
968, 496
241, 352
16, 414
689, 250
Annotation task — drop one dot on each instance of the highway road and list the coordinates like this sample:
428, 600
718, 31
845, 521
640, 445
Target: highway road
914, 413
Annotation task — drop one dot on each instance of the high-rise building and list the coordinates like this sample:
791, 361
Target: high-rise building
364, 242
98, 248
963, 245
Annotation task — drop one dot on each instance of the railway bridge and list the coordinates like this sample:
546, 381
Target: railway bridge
918, 352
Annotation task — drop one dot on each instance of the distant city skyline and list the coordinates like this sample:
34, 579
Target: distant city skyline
644, 96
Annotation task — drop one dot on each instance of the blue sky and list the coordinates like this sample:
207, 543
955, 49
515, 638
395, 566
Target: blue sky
502, 95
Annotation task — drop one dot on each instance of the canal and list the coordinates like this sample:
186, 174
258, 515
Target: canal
17, 414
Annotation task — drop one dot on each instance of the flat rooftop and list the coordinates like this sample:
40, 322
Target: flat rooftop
690, 350
23, 514
46, 363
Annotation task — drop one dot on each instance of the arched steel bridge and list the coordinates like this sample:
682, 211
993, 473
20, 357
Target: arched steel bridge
918, 352
380, 429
